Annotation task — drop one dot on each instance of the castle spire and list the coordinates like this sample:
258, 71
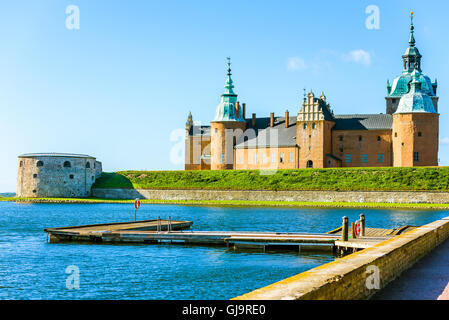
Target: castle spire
229, 86
227, 110
411, 41
411, 55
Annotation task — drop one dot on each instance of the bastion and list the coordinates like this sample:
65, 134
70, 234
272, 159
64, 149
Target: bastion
56, 175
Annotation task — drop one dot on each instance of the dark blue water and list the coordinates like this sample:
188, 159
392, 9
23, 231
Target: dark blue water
31, 268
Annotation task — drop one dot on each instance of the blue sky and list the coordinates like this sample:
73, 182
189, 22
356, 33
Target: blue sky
120, 85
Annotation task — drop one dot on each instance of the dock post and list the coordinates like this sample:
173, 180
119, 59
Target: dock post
344, 229
353, 230
362, 225
158, 224
169, 224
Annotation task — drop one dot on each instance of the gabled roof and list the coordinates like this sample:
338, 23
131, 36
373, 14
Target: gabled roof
363, 122
262, 135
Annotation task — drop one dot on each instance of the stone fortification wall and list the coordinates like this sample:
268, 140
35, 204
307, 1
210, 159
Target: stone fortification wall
255, 195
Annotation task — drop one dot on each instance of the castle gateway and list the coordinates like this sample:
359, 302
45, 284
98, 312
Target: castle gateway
405, 136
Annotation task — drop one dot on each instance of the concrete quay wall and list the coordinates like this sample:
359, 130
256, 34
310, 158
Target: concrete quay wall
266, 195
361, 274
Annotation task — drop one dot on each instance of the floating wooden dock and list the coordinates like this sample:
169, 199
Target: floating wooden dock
94, 232
168, 231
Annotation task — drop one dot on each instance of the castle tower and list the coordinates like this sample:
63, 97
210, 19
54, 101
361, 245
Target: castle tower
401, 84
226, 127
415, 127
314, 131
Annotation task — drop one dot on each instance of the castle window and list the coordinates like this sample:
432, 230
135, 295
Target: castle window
416, 156
34, 191
305, 125
340, 138
88, 165
95, 165
360, 138
395, 134
290, 157
419, 134
67, 164
281, 158
313, 125
21, 164
71, 176
240, 159
348, 158
378, 138
364, 158
380, 157
35, 175
39, 164
222, 158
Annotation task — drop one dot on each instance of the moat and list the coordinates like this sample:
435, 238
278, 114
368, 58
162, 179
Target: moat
31, 268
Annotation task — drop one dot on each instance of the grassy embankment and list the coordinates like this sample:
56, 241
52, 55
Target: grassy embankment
343, 179
339, 179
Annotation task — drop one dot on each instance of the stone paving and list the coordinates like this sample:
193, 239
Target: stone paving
428, 279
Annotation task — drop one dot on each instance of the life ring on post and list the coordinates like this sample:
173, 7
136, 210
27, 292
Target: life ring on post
357, 228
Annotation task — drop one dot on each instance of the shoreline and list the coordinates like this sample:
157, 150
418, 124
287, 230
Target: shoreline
235, 203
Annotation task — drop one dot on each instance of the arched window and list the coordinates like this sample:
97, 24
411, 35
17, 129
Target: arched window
67, 164
313, 125
88, 165
310, 164
39, 164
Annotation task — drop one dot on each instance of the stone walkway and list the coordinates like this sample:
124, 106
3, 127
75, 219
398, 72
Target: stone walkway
428, 279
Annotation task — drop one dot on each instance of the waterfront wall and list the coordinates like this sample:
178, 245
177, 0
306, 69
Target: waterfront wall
354, 276
263, 195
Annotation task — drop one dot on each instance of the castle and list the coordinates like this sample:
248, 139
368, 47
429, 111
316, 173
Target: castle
54, 175
405, 136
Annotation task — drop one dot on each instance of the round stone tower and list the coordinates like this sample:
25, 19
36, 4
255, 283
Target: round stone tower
56, 175
226, 127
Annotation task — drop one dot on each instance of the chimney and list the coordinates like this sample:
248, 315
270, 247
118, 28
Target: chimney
254, 120
244, 110
237, 109
272, 119
286, 119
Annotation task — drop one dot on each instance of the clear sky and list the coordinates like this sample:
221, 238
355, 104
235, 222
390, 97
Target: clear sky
121, 84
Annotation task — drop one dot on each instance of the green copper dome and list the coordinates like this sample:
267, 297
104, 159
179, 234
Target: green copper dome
411, 61
416, 100
401, 85
226, 110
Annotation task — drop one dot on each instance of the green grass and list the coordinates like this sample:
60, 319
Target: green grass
343, 179
239, 203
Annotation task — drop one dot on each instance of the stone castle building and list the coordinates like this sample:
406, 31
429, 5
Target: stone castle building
406, 135
54, 175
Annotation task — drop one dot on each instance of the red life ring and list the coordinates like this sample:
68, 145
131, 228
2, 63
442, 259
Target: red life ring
357, 228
